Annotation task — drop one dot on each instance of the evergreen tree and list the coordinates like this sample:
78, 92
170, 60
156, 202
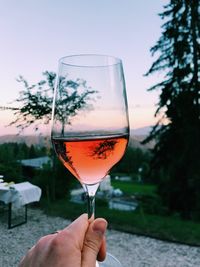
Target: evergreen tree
32, 152
133, 160
176, 159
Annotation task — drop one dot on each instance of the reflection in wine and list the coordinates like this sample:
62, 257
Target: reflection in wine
90, 159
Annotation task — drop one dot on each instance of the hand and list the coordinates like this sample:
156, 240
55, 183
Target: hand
78, 245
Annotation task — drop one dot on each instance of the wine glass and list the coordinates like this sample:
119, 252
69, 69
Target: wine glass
90, 126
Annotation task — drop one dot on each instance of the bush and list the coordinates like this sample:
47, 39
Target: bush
55, 181
151, 204
101, 202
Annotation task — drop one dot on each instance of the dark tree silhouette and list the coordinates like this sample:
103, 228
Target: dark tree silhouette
36, 101
176, 159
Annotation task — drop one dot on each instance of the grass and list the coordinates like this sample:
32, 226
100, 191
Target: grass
161, 227
130, 188
136, 222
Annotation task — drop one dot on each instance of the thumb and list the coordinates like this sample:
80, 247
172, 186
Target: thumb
93, 241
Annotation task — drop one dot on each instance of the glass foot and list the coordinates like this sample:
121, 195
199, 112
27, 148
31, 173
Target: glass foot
110, 261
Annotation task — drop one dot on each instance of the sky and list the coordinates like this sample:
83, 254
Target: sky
36, 33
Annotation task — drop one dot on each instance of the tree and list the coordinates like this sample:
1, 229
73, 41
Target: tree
36, 101
133, 160
36, 108
176, 157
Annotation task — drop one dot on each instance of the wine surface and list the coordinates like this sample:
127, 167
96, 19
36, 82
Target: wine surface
90, 159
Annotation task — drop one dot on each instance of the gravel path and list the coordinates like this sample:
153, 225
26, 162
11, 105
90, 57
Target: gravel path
131, 250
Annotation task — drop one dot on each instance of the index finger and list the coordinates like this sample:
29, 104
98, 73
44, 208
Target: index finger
77, 230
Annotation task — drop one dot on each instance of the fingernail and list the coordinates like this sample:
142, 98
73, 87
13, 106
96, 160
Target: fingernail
99, 226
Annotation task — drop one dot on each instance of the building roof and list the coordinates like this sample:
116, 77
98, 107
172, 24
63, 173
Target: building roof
36, 162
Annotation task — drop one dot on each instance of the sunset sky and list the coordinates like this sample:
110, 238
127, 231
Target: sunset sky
35, 34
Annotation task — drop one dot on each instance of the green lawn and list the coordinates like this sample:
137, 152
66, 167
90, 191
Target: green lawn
136, 222
131, 188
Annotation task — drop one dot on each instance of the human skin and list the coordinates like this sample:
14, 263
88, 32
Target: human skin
78, 245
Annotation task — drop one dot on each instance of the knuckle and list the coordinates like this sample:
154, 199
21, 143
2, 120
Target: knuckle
62, 239
55, 243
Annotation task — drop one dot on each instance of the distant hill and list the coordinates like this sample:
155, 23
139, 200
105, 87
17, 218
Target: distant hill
136, 137
144, 131
28, 139
135, 141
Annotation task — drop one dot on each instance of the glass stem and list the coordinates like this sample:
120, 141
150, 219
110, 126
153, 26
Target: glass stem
90, 191
90, 206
